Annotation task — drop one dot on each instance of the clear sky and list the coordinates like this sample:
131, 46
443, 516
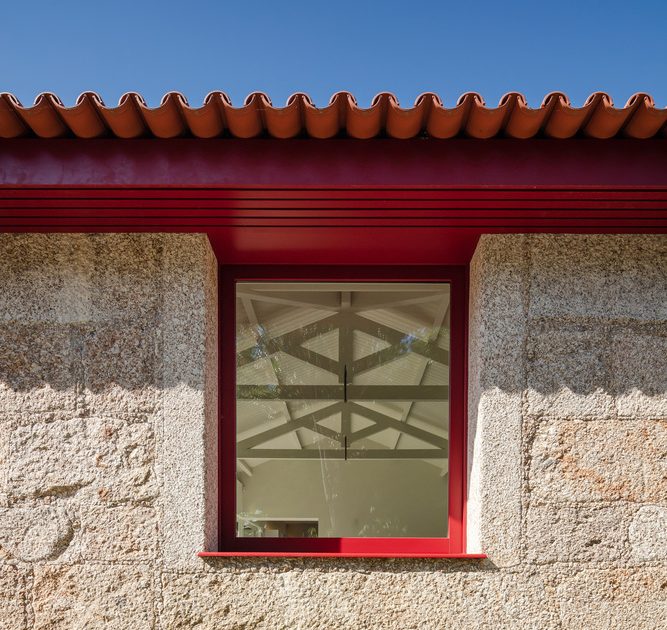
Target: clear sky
318, 47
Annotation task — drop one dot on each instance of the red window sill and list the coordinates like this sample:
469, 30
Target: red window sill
311, 554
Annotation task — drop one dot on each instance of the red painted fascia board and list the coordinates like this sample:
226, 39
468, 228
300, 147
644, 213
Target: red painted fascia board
334, 163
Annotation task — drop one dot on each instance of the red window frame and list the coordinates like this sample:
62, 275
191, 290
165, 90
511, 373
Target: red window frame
454, 544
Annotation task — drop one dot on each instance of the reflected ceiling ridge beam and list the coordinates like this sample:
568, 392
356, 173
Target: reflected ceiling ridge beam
339, 453
383, 422
307, 421
398, 393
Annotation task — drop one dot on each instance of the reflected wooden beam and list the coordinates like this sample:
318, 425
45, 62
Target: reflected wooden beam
398, 393
383, 422
244, 467
309, 421
339, 453
401, 343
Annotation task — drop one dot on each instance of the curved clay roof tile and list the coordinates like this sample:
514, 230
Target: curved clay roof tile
217, 117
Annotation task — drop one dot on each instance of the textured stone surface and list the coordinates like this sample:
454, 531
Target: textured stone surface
648, 533
93, 596
598, 276
108, 440
189, 407
13, 599
51, 458
118, 533
568, 372
384, 597
119, 364
496, 377
639, 372
35, 533
599, 461
46, 278
109, 458
600, 599
38, 367
557, 533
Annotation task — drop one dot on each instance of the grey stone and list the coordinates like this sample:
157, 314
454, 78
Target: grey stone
35, 533
45, 278
598, 461
108, 447
119, 362
598, 276
38, 368
126, 276
93, 596
50, 459
642, 276
124, 460
640, 374
568, 372
648, 533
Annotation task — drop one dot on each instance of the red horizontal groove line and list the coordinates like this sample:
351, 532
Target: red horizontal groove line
179, 227
325, 188
347, 214
342, 207
328, 195
306, 554
193, 223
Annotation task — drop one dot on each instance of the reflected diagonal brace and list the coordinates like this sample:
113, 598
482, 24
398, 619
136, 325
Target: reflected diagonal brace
309, 421
292, 341
401, 344
383, 422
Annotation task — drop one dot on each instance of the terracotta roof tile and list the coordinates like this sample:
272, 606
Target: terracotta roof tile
217, 117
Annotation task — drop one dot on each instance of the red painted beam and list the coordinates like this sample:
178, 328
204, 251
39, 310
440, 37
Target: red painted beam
340, 162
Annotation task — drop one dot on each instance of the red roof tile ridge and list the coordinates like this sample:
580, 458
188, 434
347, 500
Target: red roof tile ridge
217, 116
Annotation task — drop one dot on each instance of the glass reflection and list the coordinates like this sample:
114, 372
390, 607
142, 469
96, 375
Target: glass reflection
342, 409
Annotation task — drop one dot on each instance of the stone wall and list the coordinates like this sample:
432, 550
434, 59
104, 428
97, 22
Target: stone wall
108, 386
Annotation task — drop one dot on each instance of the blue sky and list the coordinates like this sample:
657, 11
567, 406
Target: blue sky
320, 47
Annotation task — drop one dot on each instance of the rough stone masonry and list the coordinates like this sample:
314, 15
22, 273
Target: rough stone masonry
108, 431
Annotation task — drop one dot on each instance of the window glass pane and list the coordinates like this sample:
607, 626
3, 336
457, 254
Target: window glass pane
342, 409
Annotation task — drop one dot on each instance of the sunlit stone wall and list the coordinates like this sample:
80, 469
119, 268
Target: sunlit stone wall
108, 447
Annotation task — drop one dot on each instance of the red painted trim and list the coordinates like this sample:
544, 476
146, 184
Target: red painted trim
296, 554
229, 544
337, 162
